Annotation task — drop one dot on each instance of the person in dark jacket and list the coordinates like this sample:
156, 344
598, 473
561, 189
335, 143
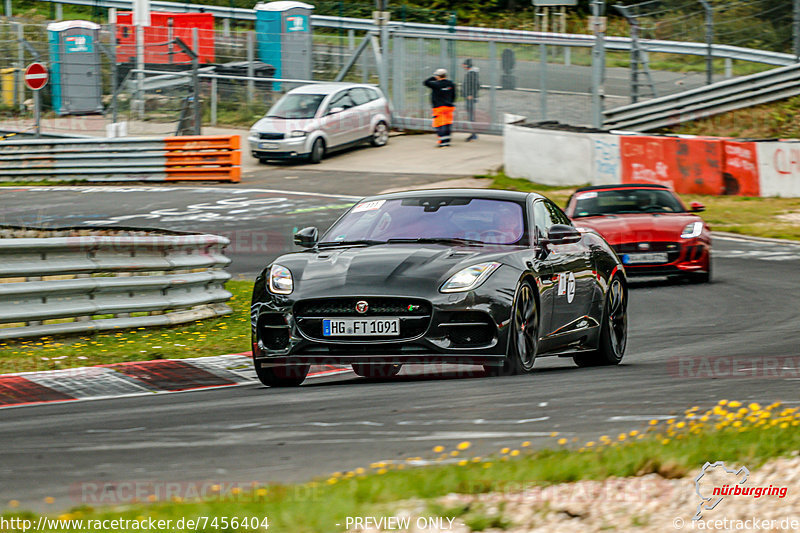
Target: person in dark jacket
471, 88
443, 97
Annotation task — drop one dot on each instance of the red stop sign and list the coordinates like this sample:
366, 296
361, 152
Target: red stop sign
36, 76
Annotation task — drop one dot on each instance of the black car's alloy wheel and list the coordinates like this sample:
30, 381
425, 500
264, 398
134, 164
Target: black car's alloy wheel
614, 330
282, 376
523, 340
376, 371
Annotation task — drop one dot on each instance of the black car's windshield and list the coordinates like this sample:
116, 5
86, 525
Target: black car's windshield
444, 220
625, 201
296, 106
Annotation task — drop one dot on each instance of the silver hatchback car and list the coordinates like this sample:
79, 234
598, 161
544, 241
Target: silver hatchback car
314, 120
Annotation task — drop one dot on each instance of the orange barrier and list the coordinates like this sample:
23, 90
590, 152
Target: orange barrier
687, 166
740, 169
204, 157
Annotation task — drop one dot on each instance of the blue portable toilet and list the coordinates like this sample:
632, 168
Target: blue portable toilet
284, 38
76, 78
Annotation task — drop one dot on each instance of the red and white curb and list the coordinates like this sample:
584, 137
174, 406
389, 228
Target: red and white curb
134, 378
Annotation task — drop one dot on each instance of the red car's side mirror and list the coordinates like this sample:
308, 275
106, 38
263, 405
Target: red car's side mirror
697, 207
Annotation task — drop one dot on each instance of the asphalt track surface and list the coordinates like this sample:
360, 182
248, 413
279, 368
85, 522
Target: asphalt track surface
736, 338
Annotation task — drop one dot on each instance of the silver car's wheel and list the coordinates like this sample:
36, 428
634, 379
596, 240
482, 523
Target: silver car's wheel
317, 151
381, 134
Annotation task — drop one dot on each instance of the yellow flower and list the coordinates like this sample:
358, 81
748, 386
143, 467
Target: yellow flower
590, 444
653, 422
562, 441
526, 444
734, 404
754, 406
514, 453
504, 450
438, 449
463, 445
665, 441
463, 462
622, 436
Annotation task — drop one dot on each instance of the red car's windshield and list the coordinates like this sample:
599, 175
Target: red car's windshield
485, 221
625, 201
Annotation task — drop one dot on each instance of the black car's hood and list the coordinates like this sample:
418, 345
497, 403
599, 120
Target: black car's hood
395, 268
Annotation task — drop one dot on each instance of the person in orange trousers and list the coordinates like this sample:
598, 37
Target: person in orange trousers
443, 96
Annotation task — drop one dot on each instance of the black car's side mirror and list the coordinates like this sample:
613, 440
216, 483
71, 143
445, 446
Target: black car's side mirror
306, 237
563, 234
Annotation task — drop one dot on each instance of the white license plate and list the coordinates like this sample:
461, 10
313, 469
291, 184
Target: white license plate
636, 259
361, 327
268, 146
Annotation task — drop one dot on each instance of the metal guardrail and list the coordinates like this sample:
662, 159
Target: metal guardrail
719, 97
85, 283
439, 31
216, 158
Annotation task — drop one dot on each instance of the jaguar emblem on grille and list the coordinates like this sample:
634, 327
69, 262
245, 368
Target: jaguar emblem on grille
361, 307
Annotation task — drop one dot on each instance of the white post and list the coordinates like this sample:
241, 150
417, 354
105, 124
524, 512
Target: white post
141, 18
59, 11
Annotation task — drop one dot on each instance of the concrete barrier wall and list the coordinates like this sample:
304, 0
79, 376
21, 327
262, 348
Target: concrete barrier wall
779, 168
686, 164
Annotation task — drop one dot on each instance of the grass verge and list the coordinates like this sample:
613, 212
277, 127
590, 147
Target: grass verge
730, 431
777, 218
229, 334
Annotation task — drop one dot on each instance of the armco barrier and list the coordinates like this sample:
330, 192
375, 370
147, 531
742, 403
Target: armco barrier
686, 164
212, 158
71, 284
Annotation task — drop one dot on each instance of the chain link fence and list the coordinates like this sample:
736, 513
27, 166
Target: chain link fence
233, 87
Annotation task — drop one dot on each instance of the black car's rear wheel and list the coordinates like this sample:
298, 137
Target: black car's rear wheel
613, 332
282, 376
376, 371
523, 336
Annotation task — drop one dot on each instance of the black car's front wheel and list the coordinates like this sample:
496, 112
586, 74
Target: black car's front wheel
613, 332
523, 336
376, 371
282, 376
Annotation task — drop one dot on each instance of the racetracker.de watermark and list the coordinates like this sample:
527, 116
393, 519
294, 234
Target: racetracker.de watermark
97, 493
733, 367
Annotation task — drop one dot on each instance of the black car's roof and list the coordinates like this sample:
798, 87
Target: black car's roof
492, 194
623, 186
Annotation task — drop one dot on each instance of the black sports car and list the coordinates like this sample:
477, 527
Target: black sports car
492, 278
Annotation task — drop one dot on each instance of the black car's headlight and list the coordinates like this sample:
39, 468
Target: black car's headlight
692, 230
280, 280
469, 278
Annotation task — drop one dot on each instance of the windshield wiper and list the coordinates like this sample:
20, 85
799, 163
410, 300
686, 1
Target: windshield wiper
437, 240
360, 242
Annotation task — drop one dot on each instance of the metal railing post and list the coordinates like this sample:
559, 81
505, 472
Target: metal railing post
21, 55
198, 113
543, 79
251, 86
398, 80
114, 73
709, 23
7, 11
492, 83
598, 63
140, 96
796, 29
213, 101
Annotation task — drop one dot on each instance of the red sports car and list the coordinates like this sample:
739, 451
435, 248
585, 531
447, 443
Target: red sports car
649, 227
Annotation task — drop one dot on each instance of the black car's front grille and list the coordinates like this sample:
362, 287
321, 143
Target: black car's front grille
271, 136
414, 315
673, 249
